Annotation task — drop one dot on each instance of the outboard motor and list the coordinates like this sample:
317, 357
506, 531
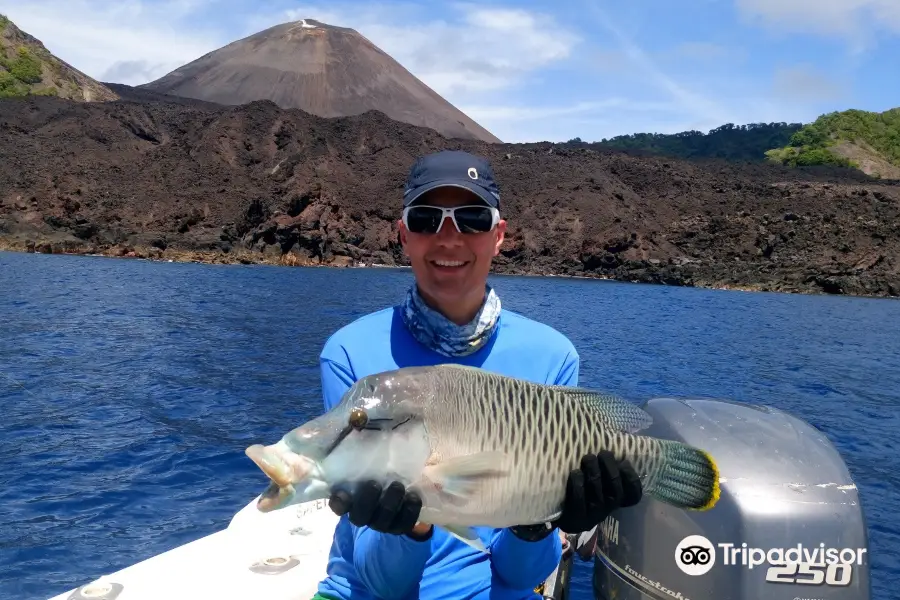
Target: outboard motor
788, 524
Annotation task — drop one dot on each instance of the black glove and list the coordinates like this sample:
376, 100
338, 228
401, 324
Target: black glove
390, 510
599, 487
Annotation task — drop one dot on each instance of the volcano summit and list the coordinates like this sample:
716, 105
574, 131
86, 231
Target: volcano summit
322, 69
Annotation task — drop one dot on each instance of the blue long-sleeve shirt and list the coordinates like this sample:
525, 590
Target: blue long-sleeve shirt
368, 564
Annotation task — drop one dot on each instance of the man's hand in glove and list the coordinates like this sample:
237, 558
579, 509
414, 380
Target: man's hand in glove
599, 487
390, 510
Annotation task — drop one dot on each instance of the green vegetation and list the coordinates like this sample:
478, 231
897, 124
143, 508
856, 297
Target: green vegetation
807, 157
876, 136
10, 87
28, 68
812, 144
730, 141
20, 73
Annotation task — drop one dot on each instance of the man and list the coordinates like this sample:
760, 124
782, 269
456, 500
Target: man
451, 230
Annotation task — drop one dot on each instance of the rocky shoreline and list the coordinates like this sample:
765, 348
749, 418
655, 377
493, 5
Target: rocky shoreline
646, 272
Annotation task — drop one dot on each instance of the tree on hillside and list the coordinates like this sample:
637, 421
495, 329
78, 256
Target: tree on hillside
728, 141
881, 131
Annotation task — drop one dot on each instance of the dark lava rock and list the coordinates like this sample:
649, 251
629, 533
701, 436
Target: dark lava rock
259, 182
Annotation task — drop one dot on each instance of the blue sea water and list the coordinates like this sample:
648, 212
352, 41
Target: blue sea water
129, 389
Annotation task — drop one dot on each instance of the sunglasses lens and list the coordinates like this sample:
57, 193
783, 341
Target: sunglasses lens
423, 219
474, 219
471, 219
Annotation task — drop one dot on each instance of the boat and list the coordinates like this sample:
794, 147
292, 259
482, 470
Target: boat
784, 486
281, 555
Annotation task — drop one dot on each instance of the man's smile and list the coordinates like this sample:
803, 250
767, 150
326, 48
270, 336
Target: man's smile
448, 265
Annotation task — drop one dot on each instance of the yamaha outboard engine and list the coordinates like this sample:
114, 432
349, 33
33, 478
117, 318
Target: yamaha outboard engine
788, 523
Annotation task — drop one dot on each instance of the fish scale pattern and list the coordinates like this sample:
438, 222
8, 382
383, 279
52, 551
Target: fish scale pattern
542, 430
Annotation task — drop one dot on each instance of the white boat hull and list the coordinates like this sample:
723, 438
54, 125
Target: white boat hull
280, 555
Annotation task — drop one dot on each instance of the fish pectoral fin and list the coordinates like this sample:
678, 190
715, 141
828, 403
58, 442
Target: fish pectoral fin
613, 411
459, 476
466, 535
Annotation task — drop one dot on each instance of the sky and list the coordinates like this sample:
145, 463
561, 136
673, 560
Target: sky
538, 70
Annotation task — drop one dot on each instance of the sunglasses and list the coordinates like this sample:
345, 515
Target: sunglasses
467, 219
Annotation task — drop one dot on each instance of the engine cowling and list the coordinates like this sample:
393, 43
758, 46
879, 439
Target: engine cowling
789, 524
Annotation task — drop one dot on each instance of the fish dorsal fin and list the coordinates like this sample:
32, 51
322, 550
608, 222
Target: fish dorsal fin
613, 411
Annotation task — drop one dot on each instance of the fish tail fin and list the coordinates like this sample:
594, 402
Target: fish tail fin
688, 477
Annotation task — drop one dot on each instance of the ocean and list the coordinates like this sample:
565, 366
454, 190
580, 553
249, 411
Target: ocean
129, 389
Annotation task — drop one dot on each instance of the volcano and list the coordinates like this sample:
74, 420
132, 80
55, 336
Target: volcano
322, 69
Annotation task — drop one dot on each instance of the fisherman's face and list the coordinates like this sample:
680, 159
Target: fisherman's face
457, 290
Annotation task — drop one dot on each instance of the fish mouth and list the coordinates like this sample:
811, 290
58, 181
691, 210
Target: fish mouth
274, 497
270, 464
285, 469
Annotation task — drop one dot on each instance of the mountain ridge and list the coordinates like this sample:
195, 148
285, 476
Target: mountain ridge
27, 67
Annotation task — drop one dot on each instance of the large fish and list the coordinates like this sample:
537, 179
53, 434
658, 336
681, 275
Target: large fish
481, 449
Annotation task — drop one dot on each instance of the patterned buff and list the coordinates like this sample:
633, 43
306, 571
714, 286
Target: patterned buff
442, 335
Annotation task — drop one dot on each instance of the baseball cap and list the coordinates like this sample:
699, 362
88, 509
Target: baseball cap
453, 168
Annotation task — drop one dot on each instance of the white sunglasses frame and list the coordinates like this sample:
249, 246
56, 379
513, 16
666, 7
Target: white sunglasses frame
450, 212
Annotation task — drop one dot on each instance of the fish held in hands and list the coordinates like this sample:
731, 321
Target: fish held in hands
480, 449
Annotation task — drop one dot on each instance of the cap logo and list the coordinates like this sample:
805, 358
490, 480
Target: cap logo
473, 174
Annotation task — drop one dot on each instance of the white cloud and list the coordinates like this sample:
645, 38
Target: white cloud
594, 127
126, 41
591, 121
480, 50
694, 103
802, 83
534, 113
703, 51
855, 20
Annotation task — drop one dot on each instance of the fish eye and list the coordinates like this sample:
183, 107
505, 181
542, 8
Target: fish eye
358, 418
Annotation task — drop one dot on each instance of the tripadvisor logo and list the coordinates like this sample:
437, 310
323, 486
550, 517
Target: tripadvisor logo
695, 555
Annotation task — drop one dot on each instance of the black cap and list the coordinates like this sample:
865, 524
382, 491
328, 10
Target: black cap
452, 168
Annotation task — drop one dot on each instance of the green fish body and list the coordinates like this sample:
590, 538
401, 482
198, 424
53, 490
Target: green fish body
481, 449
